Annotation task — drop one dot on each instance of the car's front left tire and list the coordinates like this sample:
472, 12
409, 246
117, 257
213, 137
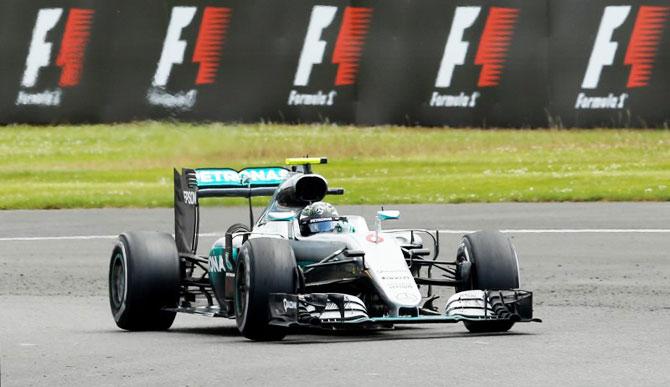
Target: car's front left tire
493, 265
264, 266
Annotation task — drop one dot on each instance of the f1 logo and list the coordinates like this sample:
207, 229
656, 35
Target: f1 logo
73, 45
207, 53
493, 44
642, 46
208, 46
70, 57
348, 47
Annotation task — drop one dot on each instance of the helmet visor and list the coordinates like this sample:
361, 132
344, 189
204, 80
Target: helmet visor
326, 226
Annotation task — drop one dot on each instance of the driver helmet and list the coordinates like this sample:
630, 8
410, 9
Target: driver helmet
318, 217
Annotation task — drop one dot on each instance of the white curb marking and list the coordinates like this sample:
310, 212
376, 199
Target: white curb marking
83, 237
572, 231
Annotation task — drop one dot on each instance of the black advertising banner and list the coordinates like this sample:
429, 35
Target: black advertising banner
169, 60
507, 63
236, 61
52, 60
610, 64
319, 79
458, 63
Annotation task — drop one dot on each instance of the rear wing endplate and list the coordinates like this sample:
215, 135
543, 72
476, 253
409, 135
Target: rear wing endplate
186, 211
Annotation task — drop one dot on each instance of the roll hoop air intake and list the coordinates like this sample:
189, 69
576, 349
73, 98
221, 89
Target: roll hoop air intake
301, 190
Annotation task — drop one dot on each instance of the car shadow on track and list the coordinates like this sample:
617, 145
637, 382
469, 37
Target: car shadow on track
227, 331
316, 336
397, 333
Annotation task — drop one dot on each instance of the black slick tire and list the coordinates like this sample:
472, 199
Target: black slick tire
144, 279
264, 266
237, 227
494, 265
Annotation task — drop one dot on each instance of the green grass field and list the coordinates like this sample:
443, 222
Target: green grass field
130, 165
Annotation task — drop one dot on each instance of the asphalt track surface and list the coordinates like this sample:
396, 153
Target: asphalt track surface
599, 272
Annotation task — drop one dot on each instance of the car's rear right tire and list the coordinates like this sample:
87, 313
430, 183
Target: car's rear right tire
494, 265
264, 266
143, 280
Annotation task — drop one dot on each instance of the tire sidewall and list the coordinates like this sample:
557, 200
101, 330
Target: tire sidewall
119, 253
246, 271
465, 255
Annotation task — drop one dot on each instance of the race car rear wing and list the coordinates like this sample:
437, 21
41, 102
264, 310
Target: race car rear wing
194, 184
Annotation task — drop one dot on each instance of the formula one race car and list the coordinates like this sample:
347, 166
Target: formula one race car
301, 264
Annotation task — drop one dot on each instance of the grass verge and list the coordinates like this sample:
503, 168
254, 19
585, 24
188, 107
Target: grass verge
130, 165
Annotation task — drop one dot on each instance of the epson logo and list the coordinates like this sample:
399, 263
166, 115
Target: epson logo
70, 57
491, 53
640, 53
207, 54
190, 198
346, 51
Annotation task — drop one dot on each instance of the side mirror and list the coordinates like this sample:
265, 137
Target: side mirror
388, 215
281, 216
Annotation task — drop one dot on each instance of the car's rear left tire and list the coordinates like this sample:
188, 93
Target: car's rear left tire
264, 266
493, 265
143, 280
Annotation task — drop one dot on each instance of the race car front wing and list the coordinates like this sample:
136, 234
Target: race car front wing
335, 310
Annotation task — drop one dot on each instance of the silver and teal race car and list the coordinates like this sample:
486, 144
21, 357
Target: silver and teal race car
273, 277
